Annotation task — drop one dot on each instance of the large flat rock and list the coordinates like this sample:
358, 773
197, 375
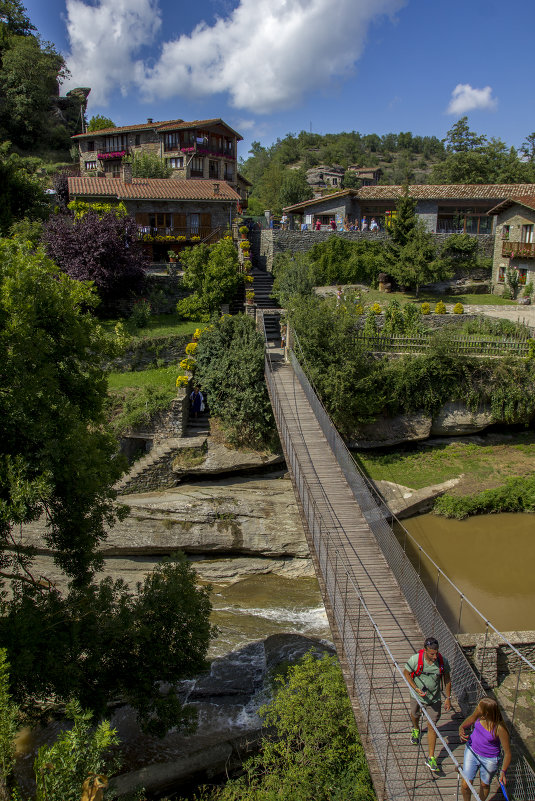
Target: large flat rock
234, 516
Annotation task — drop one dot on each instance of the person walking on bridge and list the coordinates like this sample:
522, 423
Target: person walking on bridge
426, 672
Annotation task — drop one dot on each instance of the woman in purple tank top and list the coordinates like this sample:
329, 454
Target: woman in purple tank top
483, 747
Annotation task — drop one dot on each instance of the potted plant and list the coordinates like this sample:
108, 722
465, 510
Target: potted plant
172, 256
249, 296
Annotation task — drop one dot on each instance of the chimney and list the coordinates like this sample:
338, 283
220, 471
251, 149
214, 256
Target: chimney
127, 173
149, 120
216, 189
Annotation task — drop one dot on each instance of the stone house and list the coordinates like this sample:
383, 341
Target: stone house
198, 149
514, 246
171, 213
445, 208
323, 176
369, 176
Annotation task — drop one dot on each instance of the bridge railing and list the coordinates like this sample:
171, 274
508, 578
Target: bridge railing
466, 684
376, 679
463, 345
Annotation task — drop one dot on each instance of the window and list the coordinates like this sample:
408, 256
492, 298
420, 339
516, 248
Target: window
527, 234
213, 169
112, 169
229, 172
522, 276
161, 221
171, 141
197, 167
335, 181
91, 165
194, 220
138, 140
175, 163
501, 273
506, 229
90, 145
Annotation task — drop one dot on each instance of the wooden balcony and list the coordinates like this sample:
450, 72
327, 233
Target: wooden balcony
173, 236
514, 250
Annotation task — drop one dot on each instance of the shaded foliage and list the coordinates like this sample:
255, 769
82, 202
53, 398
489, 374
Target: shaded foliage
212, 272
101, 248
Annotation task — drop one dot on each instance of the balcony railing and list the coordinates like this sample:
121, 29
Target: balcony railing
202, 233
112, 153
518, 249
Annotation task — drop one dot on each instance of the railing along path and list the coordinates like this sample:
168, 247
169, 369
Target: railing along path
467, 346
378, 607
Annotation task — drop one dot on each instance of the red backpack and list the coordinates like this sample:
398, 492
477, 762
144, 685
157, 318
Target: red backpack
420, 665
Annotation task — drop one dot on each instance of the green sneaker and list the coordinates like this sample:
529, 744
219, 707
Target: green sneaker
432, 764
415, 736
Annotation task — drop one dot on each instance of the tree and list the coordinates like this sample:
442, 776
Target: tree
21, 191
351, 180
103, 642
211, 271
294, 188
405, 220
314, 750
98, 247
230, 367
527, 148
99, 123
460, 139
294, 275
8, 728
56, 458
148, 165
416, 263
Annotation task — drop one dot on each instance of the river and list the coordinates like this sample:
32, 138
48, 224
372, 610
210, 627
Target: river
490, 558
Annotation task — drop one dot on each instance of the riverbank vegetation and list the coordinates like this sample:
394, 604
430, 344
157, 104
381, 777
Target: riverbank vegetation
516, 495
311, 747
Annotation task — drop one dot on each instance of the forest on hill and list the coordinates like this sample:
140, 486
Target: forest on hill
278, 172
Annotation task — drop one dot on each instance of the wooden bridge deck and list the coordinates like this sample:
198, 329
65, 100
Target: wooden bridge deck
350, 532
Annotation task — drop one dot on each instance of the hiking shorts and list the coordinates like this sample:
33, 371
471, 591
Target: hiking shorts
433, 710
487, 766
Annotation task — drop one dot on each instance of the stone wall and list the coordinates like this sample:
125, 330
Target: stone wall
265, 244
515, 218
496, 658
151, 352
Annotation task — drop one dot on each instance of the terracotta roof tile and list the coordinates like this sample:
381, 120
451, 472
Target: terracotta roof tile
431, 192
164, 125
152, 189
529, 202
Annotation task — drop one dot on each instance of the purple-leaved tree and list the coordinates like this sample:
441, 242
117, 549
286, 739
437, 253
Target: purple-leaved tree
98, 247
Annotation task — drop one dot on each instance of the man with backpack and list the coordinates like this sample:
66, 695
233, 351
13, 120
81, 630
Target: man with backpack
426, 672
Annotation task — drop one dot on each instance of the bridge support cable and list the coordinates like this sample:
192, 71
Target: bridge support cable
375, 628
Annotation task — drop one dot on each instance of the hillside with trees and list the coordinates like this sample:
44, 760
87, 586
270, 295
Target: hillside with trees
278, 172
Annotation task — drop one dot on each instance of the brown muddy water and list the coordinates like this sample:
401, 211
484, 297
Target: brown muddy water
491, 559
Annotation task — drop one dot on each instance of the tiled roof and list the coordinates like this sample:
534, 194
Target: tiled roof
164, 125
529, 202
430, 192
152, 189
123, 128
447, 191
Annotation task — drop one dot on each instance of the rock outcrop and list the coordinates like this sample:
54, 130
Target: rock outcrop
455, 419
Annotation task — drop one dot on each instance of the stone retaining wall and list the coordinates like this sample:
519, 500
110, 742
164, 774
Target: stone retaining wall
151, 352
265, 244
498, 658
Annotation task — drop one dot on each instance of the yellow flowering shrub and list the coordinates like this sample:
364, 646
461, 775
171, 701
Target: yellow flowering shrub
376, 309
188, 364
248, 279
249, 295
359, 308
191, 347
458, 308
440, 308
195, 238
425, 308
182, 381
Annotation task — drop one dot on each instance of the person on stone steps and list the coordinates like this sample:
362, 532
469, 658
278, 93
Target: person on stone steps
426, 672
196, 400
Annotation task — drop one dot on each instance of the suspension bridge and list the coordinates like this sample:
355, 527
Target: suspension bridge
378, 606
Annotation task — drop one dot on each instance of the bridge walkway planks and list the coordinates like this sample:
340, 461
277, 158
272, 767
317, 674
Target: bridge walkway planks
350, 532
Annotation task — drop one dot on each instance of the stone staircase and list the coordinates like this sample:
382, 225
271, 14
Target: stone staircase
262, 286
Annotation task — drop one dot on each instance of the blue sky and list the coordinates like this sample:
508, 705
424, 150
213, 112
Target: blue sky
270, 67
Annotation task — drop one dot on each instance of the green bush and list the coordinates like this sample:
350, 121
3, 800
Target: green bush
230, 368
314, 750
516, 495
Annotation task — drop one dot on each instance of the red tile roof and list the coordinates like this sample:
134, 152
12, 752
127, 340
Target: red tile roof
529, 202
152, 189
429, 192
164, 125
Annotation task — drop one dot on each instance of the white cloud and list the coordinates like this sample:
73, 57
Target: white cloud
103, 40
465, 98
265, 54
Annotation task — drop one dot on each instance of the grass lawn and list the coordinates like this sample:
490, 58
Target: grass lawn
408, 297
484, 464
159, 325
163, 377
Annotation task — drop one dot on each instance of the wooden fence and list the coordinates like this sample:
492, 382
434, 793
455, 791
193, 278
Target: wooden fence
467, 345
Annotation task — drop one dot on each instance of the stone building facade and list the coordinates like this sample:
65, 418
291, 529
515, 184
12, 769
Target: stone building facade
197, 149
514, 246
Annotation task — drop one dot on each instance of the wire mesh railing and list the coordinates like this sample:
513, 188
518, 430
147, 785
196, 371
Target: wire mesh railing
463, 345
466, 684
